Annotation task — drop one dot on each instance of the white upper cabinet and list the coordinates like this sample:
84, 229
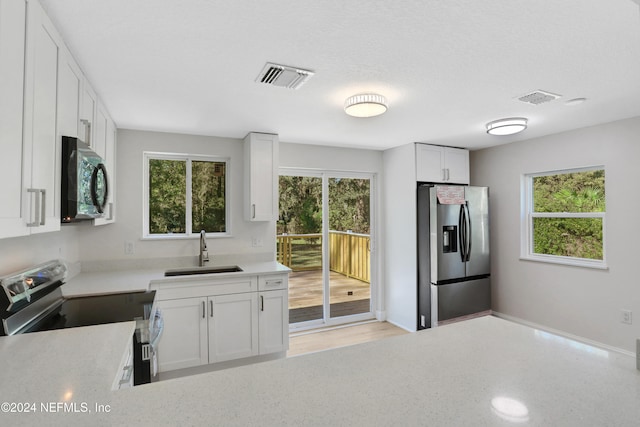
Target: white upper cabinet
110, 163
88, 106
44, 96
442, 164
13, 221
41, 166
69, 96
261, 177
105, 145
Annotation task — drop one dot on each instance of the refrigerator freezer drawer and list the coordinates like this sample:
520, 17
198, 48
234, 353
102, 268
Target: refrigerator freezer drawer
460, 299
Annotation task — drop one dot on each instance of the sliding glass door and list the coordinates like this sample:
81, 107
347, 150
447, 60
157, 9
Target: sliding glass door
324, 236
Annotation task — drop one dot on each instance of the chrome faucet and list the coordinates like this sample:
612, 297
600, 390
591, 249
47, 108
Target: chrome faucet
204, 253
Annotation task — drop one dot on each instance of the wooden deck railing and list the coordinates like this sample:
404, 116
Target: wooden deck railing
349, 253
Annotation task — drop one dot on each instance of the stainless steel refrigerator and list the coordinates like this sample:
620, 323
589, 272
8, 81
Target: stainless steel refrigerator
453, 252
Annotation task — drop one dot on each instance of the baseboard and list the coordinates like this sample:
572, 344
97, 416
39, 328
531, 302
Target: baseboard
564, 334
401, 326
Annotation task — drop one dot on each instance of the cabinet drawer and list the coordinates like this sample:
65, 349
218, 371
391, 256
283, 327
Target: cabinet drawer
175, 290
272, 282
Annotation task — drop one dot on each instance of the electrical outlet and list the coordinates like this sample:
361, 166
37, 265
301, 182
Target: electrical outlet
626, 316
129, 247
256, 242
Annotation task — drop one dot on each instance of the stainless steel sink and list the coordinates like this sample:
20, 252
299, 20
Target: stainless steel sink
201, 270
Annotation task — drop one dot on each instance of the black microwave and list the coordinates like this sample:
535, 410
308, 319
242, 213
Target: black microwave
85, 188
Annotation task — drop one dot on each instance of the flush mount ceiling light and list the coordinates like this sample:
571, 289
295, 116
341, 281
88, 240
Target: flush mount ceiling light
507, 126
365, 105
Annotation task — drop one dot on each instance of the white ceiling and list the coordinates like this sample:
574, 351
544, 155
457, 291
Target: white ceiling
447, 67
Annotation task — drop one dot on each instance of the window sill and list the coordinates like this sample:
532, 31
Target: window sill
572, 262
185, 237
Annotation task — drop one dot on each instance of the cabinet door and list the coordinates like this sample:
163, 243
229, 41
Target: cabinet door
12, 29
274, 321
183, 342
100, 132
69, 89
105, 146
41, 94
88, 113
233, 326
261, 177
110, 161
457, 165
430, 163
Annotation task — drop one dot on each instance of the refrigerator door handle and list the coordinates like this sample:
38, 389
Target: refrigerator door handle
467, 229
462, 233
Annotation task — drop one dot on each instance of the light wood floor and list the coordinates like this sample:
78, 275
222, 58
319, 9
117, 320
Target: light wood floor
325, 339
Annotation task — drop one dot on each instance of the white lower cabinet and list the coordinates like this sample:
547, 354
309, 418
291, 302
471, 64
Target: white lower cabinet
219, 325
184, 340
274, 321
233, 326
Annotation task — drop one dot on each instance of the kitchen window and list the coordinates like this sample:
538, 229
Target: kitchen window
184, 194
564, 217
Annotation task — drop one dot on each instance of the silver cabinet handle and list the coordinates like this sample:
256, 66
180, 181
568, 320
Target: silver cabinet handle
36, 210
253, 210
43, 207
204, 314
87, 131
273, 282
448, 177
261, 302
211, 308
126, 374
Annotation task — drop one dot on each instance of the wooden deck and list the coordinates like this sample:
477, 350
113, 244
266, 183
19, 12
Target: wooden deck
347, 295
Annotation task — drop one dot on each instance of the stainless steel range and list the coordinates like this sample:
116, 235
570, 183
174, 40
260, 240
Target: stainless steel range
31, 301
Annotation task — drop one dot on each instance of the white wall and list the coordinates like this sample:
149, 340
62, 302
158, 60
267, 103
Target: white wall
108, 242
580, 301
331, 158
22, 252
400, 236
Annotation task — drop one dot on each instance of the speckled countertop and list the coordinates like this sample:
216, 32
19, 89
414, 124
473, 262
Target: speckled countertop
123, 280
481, 372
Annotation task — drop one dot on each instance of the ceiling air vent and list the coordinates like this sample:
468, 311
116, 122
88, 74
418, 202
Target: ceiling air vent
283, 76
538, 97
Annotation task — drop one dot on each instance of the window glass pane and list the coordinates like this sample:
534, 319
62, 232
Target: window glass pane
167, 196
569, 192
208, 197
349, 208
571, 237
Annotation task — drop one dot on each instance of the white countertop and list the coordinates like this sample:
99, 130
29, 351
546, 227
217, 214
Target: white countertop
446, 376
100, 282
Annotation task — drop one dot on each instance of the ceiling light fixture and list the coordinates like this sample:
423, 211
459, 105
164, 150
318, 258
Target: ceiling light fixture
365, 105
507, 126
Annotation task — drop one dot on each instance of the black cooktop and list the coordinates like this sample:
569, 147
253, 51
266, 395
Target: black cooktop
98, 310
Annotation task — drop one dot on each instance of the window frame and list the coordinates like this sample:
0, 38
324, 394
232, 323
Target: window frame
188, 158
527, 216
